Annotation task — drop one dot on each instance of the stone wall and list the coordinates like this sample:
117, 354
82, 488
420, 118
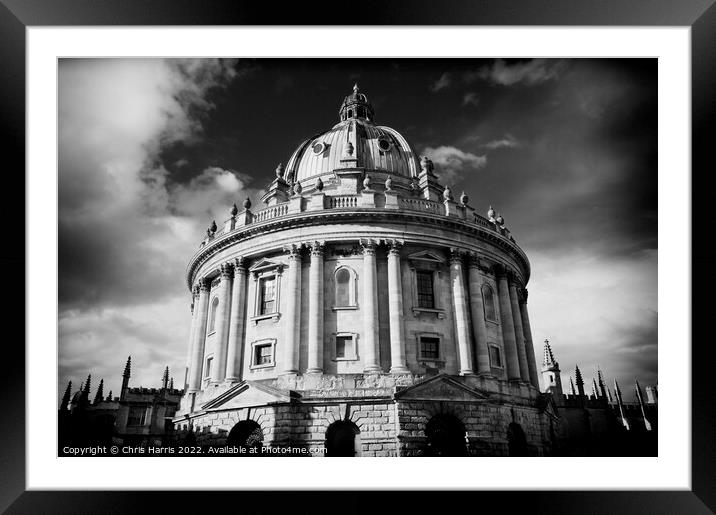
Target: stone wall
387, 427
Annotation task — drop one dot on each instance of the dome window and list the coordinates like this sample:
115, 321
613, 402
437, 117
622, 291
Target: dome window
319, 148
384, 144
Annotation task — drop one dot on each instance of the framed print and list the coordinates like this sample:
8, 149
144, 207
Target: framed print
437, 242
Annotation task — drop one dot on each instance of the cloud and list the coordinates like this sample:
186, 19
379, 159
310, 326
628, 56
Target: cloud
530, 73
470, 99
126, 225
508, 141
451, 163
597, 311
443, 82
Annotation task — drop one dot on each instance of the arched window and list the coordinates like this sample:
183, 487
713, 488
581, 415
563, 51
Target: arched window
343, 439
445, 436
345, 296
247, 434
516, 440
212, 315
488, 300
343, 282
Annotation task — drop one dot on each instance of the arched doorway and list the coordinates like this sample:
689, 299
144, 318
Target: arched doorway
246, 433
516, 440
446, 436
343, 439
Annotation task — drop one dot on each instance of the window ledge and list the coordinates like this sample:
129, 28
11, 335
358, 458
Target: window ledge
259, 367
274, 316
435, 363
344, 308
439, 312
349, 358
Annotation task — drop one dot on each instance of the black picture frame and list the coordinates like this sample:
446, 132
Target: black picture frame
17, 15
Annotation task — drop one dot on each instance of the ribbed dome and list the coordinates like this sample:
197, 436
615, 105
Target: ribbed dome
355, 142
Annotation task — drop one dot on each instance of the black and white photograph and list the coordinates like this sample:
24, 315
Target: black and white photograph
364, 257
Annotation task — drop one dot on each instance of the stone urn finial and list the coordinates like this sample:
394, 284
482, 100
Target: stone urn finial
247, 203
389, 184
234, 210
319, 185
447, 194
298, 188
424, 164
491, 214
213, 227
280, 171
349, 149
464, 199
499, 219
366, 182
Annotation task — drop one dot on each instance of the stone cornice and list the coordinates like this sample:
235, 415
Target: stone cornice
356, 216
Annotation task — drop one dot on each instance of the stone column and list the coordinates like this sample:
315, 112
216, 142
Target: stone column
519, 331
531, 362
197, 359
479, 328
395, 311
192, 329
315, 310
370, 346
292, 324
462, 320
507, 323
236, 321
222, 324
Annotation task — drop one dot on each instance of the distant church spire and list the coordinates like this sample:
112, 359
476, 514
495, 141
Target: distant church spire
109, 396
647, 424
99, 396
572, 391
602, 387
580, 381
125, 378
618, 394
548, 359
165, 378
550, 373
66, 397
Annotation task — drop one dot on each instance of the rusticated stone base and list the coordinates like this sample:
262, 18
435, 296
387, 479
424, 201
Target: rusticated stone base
387, 421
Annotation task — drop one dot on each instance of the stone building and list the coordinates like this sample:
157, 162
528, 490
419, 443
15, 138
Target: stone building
364, 310
138, 417
600, 423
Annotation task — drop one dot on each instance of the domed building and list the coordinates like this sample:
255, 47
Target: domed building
363, 311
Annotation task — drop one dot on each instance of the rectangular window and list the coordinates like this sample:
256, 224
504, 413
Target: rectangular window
343, 345
426, 296
207, 371
137, 416
263, 354
429, 347
495, 356
267, 296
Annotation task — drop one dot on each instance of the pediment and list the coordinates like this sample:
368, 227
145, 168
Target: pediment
247, 394
264, 264
441, 388
427, 255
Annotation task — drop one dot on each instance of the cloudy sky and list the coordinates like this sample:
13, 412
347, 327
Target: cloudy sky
150, 151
